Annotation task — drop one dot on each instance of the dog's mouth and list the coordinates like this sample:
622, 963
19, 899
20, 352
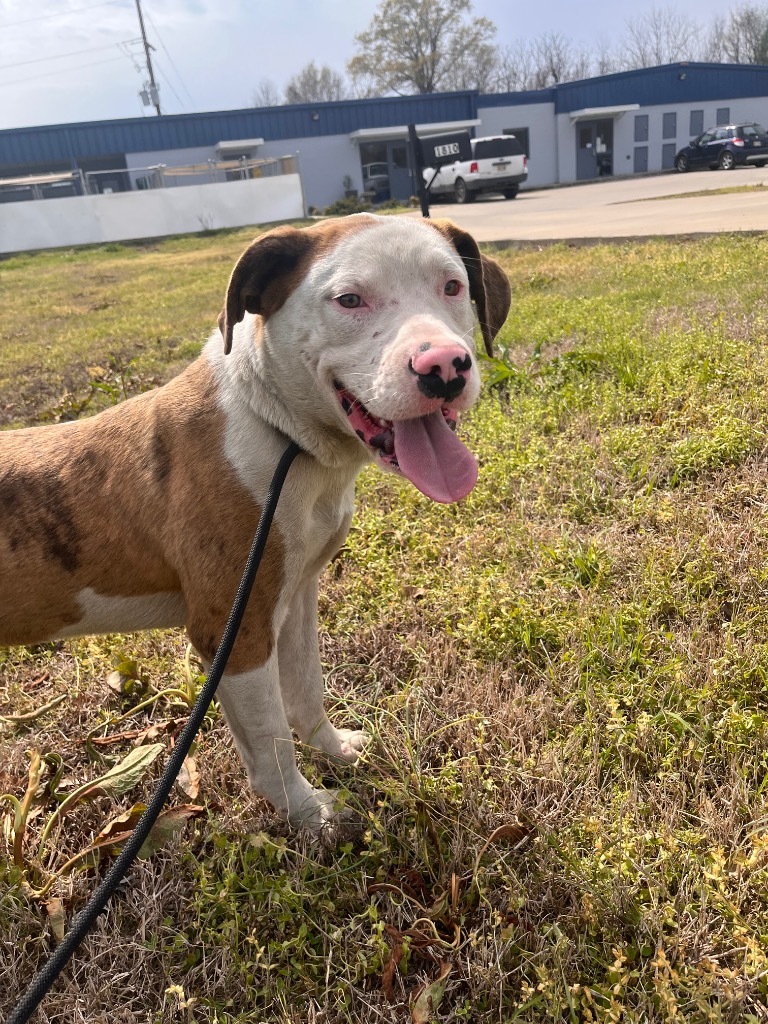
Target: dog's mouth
424, 449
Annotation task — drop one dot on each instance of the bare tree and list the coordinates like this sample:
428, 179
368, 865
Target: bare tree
605, 60
745, 37
413, 45
315, 85
552, 59
476, 69
266, 94
514, 71
660, 36
712, 45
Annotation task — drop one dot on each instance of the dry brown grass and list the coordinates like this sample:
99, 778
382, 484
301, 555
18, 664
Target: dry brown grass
565, 804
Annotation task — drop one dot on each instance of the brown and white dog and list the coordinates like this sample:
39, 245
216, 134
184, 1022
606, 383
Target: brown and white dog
352, 337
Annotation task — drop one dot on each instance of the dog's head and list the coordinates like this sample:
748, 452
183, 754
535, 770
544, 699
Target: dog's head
368, 325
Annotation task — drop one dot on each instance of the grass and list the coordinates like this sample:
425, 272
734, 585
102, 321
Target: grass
725, 191
565, 807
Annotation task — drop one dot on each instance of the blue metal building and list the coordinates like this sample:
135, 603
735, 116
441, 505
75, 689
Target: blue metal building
618, 124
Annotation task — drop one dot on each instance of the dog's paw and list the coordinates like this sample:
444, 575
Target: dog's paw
316, 810
344, 745
352, 742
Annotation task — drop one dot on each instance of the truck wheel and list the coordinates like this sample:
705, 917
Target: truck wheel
462, 193
510, 193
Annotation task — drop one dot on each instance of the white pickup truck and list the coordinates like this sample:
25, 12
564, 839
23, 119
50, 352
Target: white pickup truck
498, 164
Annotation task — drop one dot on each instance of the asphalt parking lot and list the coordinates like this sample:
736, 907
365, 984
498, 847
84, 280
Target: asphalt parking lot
619, 208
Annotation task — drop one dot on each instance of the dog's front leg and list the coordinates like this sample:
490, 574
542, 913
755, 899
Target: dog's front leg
301, 681
254, 711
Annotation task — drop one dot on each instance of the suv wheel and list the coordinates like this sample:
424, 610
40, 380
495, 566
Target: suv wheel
681, 164
462, 193
510, 193
726, 161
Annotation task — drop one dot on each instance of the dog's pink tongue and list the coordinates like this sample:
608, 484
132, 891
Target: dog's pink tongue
434, 459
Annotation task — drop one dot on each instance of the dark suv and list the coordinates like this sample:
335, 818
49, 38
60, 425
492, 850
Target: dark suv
726, 146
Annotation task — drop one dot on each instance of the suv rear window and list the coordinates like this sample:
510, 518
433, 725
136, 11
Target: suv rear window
491, 149
753, 129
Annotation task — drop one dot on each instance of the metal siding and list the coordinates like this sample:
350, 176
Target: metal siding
178, 131
659, 86
516, 99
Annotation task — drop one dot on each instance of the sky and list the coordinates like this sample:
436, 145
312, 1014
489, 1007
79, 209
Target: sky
64, 61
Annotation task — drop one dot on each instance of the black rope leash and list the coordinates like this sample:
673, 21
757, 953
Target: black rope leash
83, 922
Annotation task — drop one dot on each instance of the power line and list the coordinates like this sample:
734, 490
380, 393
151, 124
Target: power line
153, 90
169, 83
58, 14
60, 56
47, 74
171, 62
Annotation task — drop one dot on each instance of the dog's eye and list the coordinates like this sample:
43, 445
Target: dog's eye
452, 287
349, 300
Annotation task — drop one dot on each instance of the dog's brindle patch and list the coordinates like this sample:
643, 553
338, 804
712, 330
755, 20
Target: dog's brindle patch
124, 463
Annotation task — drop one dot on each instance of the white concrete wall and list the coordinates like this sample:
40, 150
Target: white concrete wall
81, 220
539, 119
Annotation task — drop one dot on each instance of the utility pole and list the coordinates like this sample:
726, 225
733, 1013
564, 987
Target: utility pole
153, 90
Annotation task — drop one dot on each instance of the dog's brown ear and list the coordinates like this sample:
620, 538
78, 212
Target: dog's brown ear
264, 277
488, 284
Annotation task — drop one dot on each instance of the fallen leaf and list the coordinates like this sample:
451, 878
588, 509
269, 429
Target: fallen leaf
516, 832
30, 716
116, 832
427, 1000
117, 781
54, 908
188, 779
390, 967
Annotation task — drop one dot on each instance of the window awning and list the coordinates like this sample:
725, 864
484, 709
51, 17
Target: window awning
238, 145
401, 131
597, 113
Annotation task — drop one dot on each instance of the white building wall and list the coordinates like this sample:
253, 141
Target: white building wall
752, 109
553, 136
138, 162
539, 119
324, 162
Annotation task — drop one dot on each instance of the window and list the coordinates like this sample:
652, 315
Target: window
491, 149
523, 137
641, 127
697, 122
669, 129
723, 115
400, 157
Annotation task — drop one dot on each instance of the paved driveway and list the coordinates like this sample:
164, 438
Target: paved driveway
619, 208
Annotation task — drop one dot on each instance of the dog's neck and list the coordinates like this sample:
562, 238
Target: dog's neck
254, 390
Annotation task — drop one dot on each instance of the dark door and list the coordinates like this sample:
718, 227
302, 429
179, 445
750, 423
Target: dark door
400, 177
586, 159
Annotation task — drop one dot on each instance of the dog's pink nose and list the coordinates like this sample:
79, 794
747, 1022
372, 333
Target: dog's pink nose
446, 361
441, 370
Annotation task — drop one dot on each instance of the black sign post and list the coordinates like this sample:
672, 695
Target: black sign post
418, 168
435, 151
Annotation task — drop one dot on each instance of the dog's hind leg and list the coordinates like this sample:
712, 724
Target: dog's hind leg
301, 682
